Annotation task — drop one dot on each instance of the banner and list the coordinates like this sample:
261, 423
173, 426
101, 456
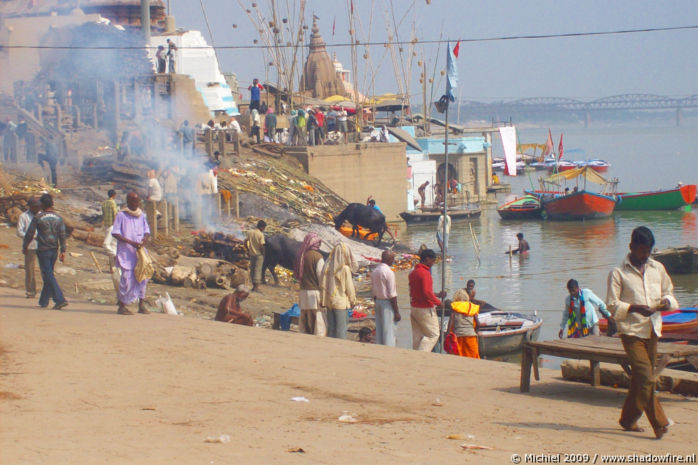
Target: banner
508, 135
451, 73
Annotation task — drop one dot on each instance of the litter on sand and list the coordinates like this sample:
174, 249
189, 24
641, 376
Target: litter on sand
223, 438
475, 447
347, 418
299, 399
460, 436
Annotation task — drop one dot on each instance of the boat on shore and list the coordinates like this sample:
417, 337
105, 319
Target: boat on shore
431, 215
683, 320
667, 199
678, 260
523, 208
503, 333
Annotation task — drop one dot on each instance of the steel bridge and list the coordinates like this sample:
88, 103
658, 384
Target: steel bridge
627, 102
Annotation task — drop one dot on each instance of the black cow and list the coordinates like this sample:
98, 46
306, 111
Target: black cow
362, 215
279, 250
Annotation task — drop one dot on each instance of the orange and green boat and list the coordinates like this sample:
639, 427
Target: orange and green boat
669, 199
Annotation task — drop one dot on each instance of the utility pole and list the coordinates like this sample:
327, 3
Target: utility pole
145, 20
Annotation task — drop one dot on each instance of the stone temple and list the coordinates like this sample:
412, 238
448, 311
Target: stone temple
320, 79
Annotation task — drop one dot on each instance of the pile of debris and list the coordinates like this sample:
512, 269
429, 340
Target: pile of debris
272, 182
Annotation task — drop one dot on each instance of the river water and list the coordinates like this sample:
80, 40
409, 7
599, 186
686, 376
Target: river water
643, 158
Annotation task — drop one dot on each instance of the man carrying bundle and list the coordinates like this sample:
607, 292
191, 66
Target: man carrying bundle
132, 232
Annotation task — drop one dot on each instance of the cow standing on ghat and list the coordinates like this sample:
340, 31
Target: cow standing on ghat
281, 250
362, 215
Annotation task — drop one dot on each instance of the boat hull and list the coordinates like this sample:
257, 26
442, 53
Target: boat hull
524, 208
580, 205
658, 200
433, 217
678, 260
688, 325
493, 343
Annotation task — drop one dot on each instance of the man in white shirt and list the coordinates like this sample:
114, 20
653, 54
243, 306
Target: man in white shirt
441, 238
385, 295
153, 201
23, 223
638, 290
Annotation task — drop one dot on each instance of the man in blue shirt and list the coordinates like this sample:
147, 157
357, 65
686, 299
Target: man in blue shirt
255, 89
579, 316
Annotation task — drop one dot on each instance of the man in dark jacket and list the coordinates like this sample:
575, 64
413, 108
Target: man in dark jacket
425, 322
50, 231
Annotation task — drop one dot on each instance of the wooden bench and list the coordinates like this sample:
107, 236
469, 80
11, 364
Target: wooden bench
598, 349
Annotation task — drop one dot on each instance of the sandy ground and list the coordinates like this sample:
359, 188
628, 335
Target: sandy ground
85, 385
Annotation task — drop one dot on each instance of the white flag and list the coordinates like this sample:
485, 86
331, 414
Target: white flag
508, 134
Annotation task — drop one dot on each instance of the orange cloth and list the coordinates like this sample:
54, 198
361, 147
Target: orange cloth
467, 347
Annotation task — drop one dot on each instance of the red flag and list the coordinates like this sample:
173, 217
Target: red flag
352, 6
559, 148
456, 49
334, 23
548, 145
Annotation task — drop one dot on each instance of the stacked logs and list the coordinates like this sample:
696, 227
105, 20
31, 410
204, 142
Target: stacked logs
221, 245
12, 206
205, 275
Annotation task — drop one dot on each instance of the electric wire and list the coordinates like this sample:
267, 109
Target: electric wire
376, 44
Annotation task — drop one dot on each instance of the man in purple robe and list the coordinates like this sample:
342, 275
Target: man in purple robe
131, 232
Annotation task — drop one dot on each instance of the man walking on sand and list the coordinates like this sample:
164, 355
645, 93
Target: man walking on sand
638, 290
425, 322
254, 240
50, 235
23, 223
384, 293
132, 232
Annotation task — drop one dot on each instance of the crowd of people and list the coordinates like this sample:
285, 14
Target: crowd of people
638, 290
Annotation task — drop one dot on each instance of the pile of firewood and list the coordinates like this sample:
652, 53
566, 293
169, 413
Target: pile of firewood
221, 245
203, 275
12, 206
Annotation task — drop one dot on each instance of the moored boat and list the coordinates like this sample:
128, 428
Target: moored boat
684, 320
501, 333
580, 205
432, 215
527, 207
668, 199
678, 260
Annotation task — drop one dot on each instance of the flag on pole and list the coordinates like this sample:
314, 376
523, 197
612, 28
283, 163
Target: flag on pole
548, 145
352, 6
508, 135
451, 72
334, 23
456, 49
559, 148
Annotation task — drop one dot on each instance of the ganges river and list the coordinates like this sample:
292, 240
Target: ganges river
643, 158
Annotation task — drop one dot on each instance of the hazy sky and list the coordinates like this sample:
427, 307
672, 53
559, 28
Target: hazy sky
664, 63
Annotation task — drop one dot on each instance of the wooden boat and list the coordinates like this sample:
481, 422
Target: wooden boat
580, 205
678, 260
501, 333
432, 215
527, 207
669, 199
684, 320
